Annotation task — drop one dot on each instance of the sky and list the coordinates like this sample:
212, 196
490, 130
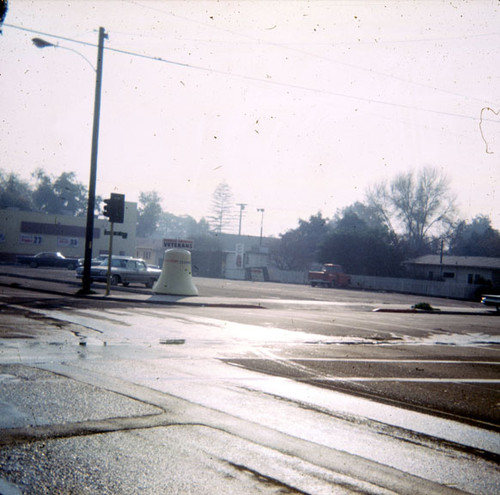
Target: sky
299, 106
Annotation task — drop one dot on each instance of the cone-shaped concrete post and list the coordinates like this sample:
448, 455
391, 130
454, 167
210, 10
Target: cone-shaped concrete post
176, 277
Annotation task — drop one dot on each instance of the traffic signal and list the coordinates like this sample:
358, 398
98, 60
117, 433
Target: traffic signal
114, 208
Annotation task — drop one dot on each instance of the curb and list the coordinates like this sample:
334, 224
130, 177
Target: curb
435, 312
100, 297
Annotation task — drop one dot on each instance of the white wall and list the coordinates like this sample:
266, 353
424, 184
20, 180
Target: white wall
450, 289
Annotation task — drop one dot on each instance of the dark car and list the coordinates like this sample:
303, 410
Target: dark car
48, 259
491, 300
125, 270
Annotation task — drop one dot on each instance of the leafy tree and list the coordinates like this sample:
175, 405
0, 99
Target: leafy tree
299, 247
368, 214
72, 194
170, 225
360, 248
223, 217
149, 212
62, 195
418, 204
477, 238
44, 196
15, 192
199, 229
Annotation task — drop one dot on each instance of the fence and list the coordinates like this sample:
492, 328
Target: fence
435, 288
446, 288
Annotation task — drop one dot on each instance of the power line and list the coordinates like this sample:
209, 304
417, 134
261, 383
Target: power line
321, 57
255, 78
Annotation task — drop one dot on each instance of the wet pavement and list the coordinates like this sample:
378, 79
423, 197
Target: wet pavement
138, 440
129, 399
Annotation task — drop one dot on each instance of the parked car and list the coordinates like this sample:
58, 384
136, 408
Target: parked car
94, 261
491, 300
125, 270
48, 259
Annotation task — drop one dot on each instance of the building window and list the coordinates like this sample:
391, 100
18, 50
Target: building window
448, 275
431, 275
470, 278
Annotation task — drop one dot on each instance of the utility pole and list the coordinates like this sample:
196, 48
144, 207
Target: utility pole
89, 232
242, 207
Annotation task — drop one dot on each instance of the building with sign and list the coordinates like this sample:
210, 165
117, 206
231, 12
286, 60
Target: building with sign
28, 233
236, 257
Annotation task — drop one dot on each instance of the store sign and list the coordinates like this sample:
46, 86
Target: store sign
67, 242
178, 243
240, 251
123, 235
30, 239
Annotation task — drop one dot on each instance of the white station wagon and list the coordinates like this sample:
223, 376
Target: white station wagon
125, 270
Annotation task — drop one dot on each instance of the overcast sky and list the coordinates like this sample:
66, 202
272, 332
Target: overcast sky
298, 105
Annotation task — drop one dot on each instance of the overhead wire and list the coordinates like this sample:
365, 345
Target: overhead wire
252, 78
322, 57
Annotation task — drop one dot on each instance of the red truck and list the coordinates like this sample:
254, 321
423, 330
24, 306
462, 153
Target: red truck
330, 276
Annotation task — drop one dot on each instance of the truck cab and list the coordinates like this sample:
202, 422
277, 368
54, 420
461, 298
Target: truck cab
331, 275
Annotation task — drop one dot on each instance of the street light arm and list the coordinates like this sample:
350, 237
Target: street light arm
40, 43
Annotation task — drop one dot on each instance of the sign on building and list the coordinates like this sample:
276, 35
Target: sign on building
178, 243
240, 251
30, 239
67, 242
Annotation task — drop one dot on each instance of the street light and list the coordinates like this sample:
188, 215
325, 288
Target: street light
261, 210
242, 207
89, 231
40, 43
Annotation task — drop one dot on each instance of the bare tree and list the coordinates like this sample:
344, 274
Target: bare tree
223, 217
418, 204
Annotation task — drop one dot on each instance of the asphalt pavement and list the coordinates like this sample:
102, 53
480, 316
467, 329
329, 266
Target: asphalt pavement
66, 431
44, 285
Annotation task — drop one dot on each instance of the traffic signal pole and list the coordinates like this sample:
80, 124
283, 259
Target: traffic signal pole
110, 255
114, 209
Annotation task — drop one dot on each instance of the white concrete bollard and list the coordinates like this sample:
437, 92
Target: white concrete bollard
176, 277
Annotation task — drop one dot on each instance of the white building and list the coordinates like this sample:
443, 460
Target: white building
28, 233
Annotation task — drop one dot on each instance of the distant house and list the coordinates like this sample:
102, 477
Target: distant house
472, 270
457, 277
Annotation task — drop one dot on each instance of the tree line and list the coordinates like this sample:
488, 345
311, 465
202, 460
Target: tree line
411, 214
65, 195
62, 195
